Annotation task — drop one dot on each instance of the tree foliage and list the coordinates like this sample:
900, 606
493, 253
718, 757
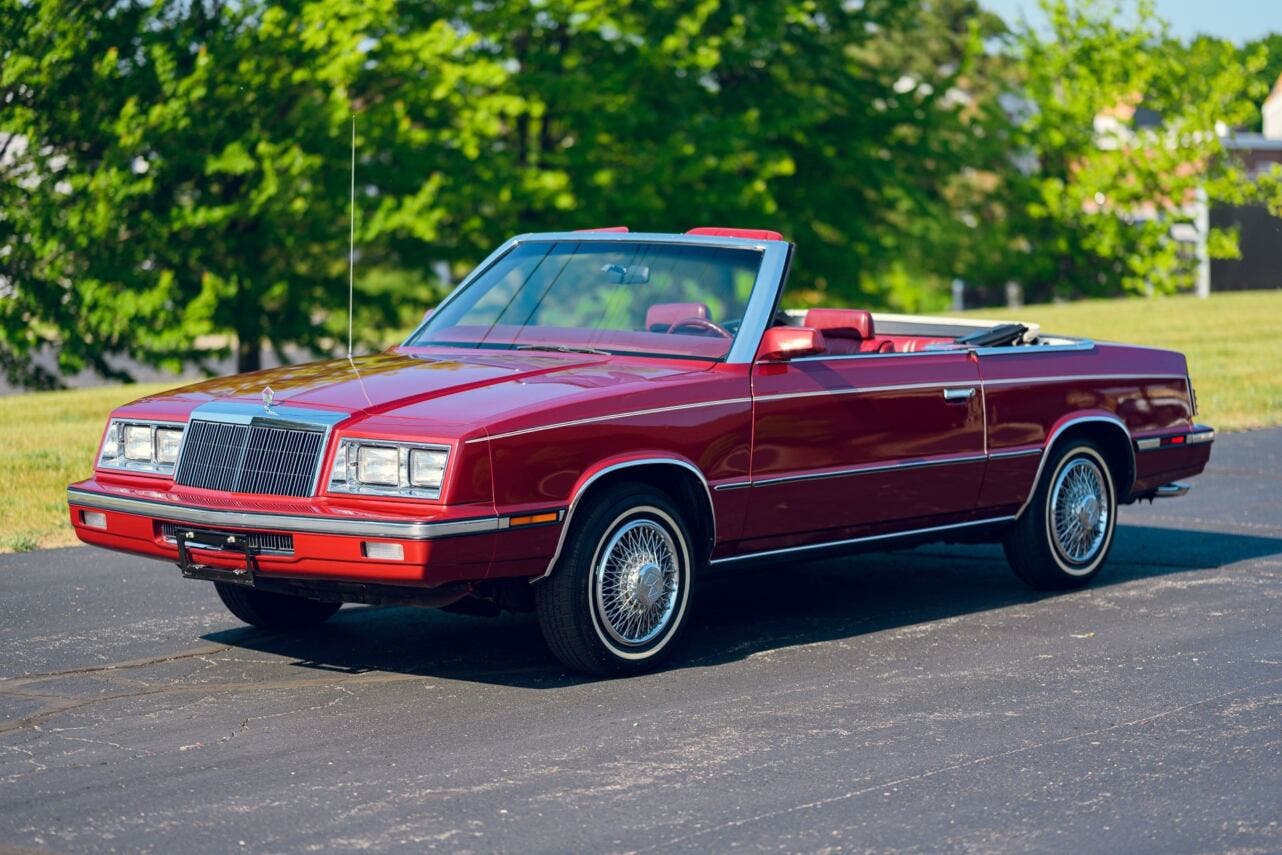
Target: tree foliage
182, 169
1121, 130
177, 174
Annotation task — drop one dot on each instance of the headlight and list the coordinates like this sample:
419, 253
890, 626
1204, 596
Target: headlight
138, 442
379, 467
167, 442
145, 447
427, 468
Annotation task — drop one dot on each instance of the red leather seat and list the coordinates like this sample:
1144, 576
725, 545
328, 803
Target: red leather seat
661, 316
847, 331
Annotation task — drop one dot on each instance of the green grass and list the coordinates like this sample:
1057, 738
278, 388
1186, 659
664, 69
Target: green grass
48, 440
1233, 343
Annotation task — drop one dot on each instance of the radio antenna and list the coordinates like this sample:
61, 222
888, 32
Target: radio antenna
351, 242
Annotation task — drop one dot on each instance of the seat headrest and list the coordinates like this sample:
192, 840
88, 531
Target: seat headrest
750, 234
841, 323
660, 316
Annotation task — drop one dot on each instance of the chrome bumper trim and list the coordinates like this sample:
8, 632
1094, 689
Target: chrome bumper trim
1196, 437
357, 527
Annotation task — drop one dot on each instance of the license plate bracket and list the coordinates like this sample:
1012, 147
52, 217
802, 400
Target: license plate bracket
220, 541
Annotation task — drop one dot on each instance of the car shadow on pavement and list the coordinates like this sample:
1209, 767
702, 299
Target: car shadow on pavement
739, 612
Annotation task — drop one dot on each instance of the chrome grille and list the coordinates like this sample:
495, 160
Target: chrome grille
249, 458
259, 541
211, 455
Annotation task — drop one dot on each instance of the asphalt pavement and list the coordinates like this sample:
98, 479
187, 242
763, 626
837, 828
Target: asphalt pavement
914, 701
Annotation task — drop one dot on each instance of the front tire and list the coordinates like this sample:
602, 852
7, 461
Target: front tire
617, 600
267, 610
1064, 535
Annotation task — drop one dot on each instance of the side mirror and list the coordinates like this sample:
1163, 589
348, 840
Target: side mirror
780, 344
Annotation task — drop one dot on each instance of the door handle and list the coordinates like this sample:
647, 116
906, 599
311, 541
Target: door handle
959, 396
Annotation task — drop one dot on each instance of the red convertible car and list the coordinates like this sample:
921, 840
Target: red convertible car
592, 420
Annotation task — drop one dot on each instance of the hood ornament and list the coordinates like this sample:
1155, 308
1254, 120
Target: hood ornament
268, 397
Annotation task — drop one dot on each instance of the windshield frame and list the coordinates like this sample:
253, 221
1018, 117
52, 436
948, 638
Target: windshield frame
775, 256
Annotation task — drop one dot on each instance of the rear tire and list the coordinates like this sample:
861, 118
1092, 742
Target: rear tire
1064, 535
618, 598
267, 610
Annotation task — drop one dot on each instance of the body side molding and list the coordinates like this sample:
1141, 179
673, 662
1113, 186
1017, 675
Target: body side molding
871, 538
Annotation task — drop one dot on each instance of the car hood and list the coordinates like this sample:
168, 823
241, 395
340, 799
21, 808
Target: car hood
462, 389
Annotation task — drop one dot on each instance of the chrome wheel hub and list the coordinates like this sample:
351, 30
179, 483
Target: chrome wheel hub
1087, 511
648, 585
635, 582
1079, 512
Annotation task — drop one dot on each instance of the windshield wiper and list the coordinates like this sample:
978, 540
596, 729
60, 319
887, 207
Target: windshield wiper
563, 348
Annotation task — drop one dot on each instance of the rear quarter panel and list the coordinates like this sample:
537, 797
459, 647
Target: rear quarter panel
1030, 392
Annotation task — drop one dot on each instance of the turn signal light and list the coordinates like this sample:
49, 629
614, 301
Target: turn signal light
533, 519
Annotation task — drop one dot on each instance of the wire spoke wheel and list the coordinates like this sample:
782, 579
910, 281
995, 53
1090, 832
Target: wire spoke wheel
617, 600
636, 582
1078, 514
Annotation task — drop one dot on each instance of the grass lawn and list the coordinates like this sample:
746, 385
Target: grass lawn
1233, 343
48, 440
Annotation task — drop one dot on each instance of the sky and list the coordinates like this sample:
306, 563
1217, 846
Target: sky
1239, 20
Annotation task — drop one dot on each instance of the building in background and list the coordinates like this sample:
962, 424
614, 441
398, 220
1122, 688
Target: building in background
1259, 232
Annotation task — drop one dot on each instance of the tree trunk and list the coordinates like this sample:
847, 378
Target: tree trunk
249, 353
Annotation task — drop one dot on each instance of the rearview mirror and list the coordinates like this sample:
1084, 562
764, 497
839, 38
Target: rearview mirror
633, 274
780, 344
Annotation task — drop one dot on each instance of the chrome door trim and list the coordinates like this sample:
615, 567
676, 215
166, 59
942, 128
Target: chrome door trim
872, 538
348, 526
1012, 454
870, 469
1079, 344
860, 390
1073, 378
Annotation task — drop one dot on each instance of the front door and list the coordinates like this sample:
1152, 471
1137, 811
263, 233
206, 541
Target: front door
853, 445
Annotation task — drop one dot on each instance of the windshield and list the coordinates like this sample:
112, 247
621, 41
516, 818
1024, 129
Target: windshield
644, 298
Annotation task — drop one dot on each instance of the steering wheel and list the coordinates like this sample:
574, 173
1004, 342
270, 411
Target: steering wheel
704, 326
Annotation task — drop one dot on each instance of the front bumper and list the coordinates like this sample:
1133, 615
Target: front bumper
360, 526
449, 547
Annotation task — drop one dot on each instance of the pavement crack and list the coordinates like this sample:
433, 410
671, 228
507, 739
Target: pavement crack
57, 706
207, 650
952, 767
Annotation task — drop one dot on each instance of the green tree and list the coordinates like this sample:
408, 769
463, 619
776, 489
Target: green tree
842, 125
1120, 132
173, 170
